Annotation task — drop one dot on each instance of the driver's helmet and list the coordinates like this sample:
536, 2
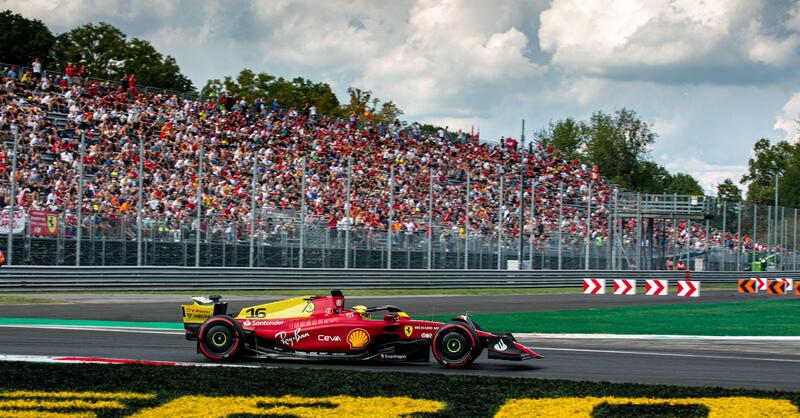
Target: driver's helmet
361, 310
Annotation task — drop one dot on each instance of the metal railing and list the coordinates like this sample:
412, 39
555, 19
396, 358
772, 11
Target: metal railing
282, 239
19, 278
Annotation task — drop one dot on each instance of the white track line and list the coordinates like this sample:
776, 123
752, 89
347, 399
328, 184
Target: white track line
648, 353
537, 336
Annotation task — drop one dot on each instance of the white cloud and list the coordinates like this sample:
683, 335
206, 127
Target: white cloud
771, 50
452, 54
666, 127
787, 120
708, 175
63, 15
318, 34
595, 35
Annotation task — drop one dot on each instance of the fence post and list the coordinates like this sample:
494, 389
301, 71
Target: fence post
253, 208
783, 236
430, 218
390, 221
139, 204
794, 241
613, 228
12, 200
560, 219
347, 222
533, 220
724, 233
639, 231
739, 239
521, 199
199, 200
79, 231
500, 223
302, 222
588, 225
755, 230
466, 228
769, 228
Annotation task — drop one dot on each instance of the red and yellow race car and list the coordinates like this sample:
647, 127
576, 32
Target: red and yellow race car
321, 328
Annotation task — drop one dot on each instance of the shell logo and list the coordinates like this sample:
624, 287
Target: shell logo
358, 338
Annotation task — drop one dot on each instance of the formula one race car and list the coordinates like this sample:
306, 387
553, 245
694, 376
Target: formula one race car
320, 328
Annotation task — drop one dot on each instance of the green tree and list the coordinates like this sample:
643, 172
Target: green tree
768, 161
789, 183
682, 183
618, 144
296, 93
389, 111
22, 39
729, 191
567, 136
360, 101
651, 177
107, 53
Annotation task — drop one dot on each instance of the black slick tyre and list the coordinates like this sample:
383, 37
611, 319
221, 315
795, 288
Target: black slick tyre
453, 345
220, 338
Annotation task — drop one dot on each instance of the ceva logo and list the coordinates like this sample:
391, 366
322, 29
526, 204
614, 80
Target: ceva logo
328, 338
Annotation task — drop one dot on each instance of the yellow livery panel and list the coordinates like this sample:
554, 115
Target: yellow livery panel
299, 307
197, 313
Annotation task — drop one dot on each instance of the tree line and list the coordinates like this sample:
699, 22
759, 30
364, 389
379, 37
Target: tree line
103, 50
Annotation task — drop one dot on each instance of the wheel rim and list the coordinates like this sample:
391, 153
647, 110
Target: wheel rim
454, 346
219, 339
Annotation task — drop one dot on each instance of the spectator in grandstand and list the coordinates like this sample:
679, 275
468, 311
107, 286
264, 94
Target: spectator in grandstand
37, 68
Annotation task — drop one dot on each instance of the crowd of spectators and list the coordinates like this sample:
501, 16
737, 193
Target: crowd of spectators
52, 112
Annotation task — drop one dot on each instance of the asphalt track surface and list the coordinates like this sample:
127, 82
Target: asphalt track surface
741, 364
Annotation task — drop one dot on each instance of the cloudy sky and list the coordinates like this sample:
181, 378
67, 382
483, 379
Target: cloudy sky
712, 76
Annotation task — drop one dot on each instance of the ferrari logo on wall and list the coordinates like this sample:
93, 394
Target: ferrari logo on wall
52, 223
408, 330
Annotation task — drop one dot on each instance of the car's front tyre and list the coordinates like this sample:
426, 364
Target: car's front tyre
220, 338
454, 345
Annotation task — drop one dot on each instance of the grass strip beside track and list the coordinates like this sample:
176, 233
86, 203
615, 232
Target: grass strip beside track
314, 392
17, 300
752, 318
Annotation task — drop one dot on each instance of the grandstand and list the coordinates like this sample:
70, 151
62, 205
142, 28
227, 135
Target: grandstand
147, 153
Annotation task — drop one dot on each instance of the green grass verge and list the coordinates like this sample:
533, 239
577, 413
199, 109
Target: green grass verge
377, 292
18, 300
752, 318
463, 395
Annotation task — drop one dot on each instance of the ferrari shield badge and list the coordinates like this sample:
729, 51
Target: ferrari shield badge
408, 330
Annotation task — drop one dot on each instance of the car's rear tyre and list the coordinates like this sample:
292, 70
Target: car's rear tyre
220, 338
454, 345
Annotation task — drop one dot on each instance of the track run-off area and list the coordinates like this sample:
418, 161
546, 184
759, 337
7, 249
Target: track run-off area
147, 327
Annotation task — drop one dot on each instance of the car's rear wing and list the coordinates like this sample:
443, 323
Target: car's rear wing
201, 309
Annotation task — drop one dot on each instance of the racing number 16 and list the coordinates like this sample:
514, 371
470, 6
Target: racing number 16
256, 313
